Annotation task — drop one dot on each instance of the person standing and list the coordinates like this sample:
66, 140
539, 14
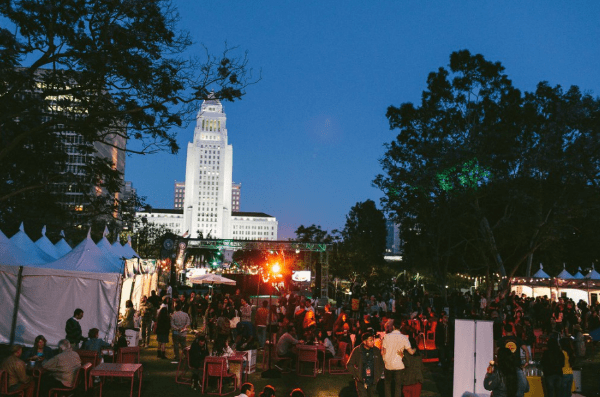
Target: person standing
194, 311
180, 323
393, 347
260, 320
163, 326
505, 377
147, 313
366, 366
443, 340
553, 361
412, 376
73, 329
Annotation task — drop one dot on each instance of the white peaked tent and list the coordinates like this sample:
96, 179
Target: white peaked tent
118, 249
21, 240
62, 247
46, 245
128, 249
10, 254
565, 275
107, 249
541, 273
86, 257
38, 301
593, 274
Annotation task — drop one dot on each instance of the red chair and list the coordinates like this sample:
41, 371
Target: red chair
129, 355
340, 358
217, 368
89, 356
78, 376
307, 354
4, 386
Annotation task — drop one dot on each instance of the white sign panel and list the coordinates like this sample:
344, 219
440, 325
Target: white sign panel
473, 351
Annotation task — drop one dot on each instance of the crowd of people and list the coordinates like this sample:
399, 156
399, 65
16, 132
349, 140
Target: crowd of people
378, 335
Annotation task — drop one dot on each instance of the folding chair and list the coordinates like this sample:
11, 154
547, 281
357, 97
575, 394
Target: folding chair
78, 376
4, 386
129, 355
216, 367
307, 354
340, 358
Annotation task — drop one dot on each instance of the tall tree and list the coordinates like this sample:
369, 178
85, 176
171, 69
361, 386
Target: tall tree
107, 70
513, 172
364, 238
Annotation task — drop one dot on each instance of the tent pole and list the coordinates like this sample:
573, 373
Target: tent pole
13, 326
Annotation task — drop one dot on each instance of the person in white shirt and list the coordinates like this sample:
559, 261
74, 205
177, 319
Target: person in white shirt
392, 349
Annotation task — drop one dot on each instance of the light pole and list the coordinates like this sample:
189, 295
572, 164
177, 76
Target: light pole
271, 372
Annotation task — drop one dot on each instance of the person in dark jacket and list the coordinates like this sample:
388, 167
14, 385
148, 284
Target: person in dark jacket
366, 366
73, 329
198, 352
553, 361
39, 351
412, 376
505, 377
163, 326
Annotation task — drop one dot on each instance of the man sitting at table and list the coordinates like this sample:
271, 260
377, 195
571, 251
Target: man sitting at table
62, 368
286, 342
17, 375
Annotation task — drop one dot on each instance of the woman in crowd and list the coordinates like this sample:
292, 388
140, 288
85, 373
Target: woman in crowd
40, 351
412, 376
567, 370
127, 322
163, 326
505, 378
553, 361
93, 343
221, 348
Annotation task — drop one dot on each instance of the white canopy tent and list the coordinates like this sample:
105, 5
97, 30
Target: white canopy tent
22, 240
87, 257
46, 245
38, 301
10, 254
62, 247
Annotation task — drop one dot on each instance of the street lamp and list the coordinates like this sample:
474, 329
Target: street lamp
271, 372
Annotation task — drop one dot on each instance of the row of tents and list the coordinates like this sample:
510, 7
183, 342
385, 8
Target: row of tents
574, 286
87, 256
41, 284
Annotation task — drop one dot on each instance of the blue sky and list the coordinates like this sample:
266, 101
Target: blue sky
307, 138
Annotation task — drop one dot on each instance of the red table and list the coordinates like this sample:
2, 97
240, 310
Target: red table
119, 370
321, 349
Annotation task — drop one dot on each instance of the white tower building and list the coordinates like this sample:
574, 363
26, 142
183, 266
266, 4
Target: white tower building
207, 203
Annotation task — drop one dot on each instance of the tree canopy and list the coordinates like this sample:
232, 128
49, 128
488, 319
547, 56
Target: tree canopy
482, 176
105, 71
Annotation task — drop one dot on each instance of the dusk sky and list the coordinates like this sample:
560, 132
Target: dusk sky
308, 137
